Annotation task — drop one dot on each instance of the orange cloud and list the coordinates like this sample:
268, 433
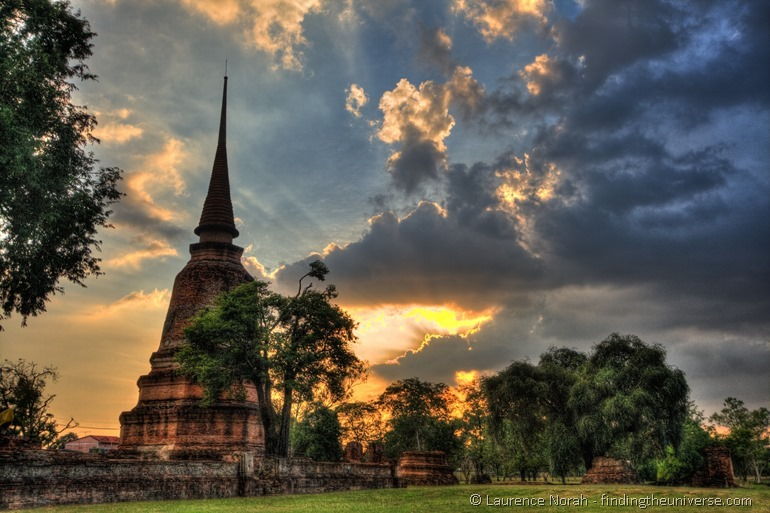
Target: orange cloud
463, 377
424, 109
271, 26
221, 12
502, 18
388, 331
525, 183
137, 302
159, 173
536, 70
542, 73
117, 132
414, 116
355, 100
114, 129
443, 39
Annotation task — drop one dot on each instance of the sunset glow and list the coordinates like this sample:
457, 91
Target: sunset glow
484, 179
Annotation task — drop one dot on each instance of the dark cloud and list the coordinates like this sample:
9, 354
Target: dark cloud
430, 256
417, 162
657, 221
133, 215
436, 50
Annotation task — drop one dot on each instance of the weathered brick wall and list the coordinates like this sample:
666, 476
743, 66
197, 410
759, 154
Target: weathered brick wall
39, 478
717, 469
424, 468
302, 475
609, 471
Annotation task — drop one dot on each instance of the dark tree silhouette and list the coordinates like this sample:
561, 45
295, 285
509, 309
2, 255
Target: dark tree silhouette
53, 198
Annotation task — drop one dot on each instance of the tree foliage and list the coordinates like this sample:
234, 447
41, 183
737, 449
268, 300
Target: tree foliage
529, 406
748, 438
53, 198
22, 388
318, 435
419, 417
622, 400
361, 422
475, 433
680, 463
288, 347
627, 401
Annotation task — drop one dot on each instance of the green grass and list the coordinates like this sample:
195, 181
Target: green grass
451, 499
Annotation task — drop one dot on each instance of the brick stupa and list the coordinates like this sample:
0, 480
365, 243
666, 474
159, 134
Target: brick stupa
168, 422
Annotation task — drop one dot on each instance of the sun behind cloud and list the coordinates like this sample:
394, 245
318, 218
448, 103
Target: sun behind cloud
388, 331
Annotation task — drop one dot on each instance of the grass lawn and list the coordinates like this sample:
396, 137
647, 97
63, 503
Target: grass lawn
450, 499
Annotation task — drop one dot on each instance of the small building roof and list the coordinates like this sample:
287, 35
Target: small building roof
101, 438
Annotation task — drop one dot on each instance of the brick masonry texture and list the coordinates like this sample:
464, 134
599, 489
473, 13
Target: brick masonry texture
609, 471
34, 478
717, 470
168, 421
424, 468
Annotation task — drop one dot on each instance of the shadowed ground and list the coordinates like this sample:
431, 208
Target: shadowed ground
453, 499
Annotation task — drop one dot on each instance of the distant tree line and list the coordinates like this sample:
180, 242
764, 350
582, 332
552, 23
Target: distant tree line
551, 419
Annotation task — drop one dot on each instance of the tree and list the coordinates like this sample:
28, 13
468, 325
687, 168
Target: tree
22, 388
679, 464
52, 197
288, 347
419, 418
622, 400
515, 397
474, 432
562, 449
748, 437
317, 436
360, 422
627, 401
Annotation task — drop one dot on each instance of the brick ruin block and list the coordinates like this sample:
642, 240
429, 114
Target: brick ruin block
424, 468
168, 421
717, 470
375, 452
354, 451
610, 471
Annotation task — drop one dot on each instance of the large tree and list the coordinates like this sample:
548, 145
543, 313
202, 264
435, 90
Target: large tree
22, 390
474, 430
288, 347
627, 401
419, 417
523, 406
622, 400
53, 197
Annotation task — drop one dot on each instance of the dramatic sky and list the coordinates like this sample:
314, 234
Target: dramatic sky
484, 178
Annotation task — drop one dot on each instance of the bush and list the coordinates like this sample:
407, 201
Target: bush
678, 466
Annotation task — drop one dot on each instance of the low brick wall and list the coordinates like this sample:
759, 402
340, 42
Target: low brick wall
424, 468
40, 478
609, 471
302, 475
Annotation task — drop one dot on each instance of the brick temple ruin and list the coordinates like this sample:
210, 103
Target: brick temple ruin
168, 421
170, 446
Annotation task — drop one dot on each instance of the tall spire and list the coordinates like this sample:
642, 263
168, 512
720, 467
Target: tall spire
217, 219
